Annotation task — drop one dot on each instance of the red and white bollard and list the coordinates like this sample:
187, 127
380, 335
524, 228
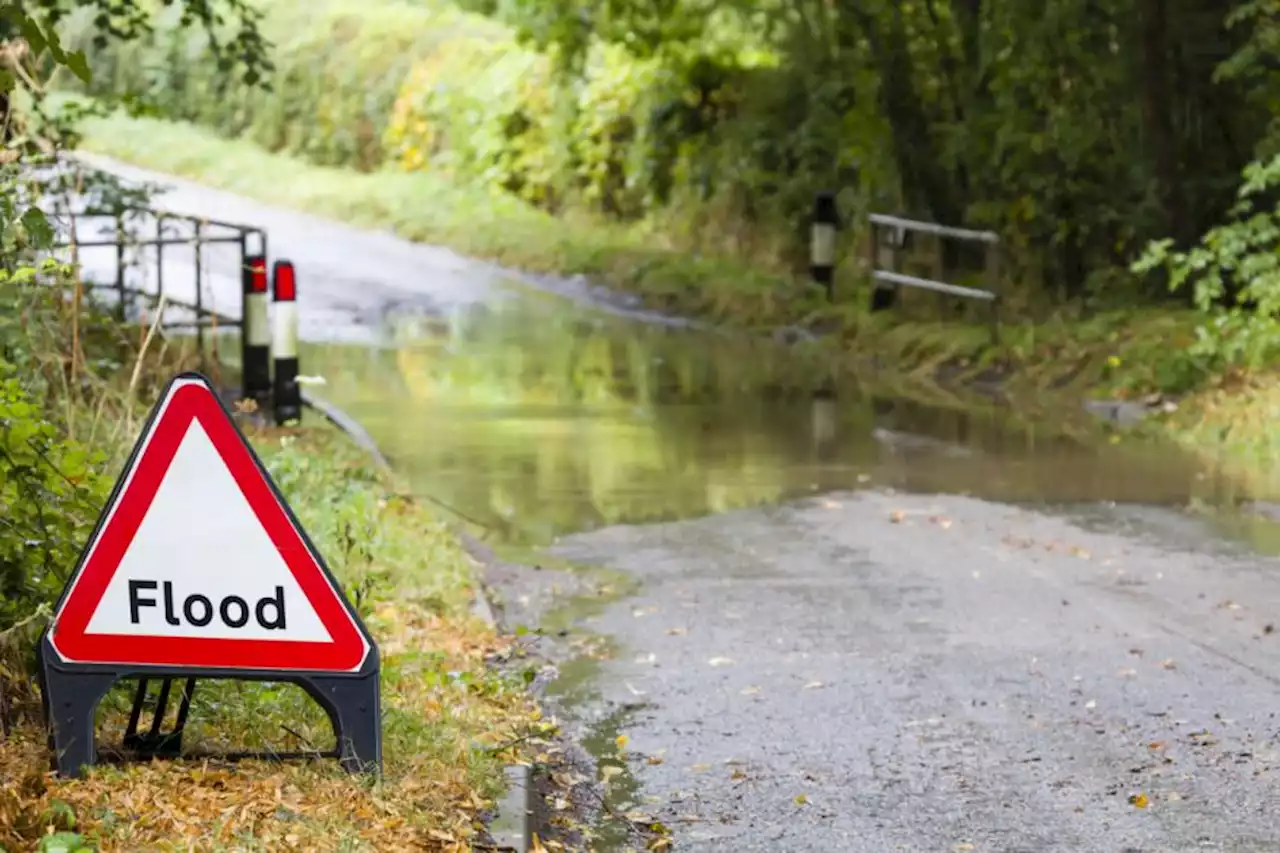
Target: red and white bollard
287, 395
255, 331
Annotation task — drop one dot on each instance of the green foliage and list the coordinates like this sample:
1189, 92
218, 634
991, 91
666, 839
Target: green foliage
1233, 274
51, 490
343, 503
715, 122
65, 842
29, 34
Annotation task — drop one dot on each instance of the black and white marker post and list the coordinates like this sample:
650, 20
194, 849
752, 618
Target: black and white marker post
255, 332
822, 247
287, 395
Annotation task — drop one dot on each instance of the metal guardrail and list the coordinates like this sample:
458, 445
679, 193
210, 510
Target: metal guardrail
890, 237
934, 228
142, 231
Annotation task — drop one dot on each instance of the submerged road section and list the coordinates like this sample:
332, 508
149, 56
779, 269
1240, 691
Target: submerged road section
877, 672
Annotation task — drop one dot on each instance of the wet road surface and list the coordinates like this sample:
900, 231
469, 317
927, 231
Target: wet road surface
350, 280
937, 673
886, 653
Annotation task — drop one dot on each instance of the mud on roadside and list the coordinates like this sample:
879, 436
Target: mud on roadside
574, 797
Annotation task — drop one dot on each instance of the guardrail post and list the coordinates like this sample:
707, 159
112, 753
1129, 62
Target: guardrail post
199, 270
255, 328
287, 394
938, 271
822, 246
159, 257
993, 283
884, 297
121, 312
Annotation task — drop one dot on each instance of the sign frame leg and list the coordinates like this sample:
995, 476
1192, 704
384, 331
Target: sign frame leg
70, 700
353, 704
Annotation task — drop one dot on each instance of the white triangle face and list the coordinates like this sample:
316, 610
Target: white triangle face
200, 538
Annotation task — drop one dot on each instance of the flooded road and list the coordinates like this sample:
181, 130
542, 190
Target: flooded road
537, 419
820, 614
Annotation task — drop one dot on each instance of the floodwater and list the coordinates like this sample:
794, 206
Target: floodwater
536, 418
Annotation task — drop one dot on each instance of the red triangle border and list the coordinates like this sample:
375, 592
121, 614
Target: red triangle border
189, 399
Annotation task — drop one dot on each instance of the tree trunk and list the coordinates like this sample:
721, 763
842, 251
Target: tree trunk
925, 183
1161, 141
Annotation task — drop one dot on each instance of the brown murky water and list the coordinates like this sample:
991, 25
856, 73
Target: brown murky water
536, 419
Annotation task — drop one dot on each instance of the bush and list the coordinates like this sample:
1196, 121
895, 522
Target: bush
482, 110
340, 65
51, 491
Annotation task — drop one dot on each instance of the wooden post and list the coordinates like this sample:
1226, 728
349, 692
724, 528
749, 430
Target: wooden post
871, 249
822, 248
938, 272
993, 273
884, 296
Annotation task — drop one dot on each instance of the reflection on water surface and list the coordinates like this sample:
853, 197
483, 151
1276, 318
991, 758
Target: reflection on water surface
538, 419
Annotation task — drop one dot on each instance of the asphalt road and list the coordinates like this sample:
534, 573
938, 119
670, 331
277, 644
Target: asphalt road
877, 672
350, 280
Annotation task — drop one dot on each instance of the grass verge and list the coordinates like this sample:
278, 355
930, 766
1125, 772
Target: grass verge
450, 721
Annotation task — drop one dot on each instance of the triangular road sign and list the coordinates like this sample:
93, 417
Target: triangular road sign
198, 563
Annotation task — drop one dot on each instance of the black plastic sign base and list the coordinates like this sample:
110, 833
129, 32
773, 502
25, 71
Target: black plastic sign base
72, 693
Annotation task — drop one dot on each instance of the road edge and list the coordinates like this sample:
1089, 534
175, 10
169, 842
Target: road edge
511, 824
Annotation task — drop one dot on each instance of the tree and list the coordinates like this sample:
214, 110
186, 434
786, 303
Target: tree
31, 53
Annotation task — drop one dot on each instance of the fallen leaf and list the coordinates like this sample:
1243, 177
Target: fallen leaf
700, 768
1139, 800
721, 661
802, 799
654, 759
609, 771
621, 741
737, 775
813, 685
897, 516
1168, 663
750, 691
962, 847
